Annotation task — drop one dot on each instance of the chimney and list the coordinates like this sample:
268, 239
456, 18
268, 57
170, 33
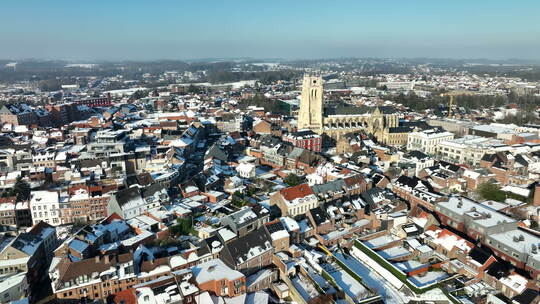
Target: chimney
536, 199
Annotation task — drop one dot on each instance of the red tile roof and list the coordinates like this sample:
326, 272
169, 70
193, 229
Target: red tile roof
294, 192
127, 296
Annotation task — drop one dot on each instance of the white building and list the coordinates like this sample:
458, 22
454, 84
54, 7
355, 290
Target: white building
295, 200
44, 159
246, 170
427, 141
128, 203
468, 149
419, 159
45, 206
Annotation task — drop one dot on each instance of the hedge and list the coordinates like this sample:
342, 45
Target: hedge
400, 275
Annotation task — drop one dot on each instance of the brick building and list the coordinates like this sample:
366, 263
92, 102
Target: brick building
214, 276
96, 102
305, 139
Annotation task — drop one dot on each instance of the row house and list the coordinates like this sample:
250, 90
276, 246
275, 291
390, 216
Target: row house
264, 127
475, 220
246, 220
298, 230
474, 265
178, 287
101, 276
417, 192
15, 214
447, 243
18, 114
28, 252
62, 114
305, 139
278, 233
44, 158
93, 278
129, 203
303, 161
468, 149
95, 102
250, 253
501, 276
519, 248
229, 122
296, 200
82, 206
417, 160
216, 277
504, 166
45, 206
474, 178
349, 186
274, 152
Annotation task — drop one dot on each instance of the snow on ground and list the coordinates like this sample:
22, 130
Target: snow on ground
409, 265
389, 293
428, 278
318, 279
349, 284
304, 287
383, 272
432, 295
394, 252
379, 241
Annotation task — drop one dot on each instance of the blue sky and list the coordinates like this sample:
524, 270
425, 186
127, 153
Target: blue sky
182, 29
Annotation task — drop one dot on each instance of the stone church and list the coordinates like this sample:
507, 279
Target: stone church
381, 122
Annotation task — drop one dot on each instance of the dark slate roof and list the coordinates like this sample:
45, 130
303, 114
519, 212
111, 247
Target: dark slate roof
90, 162
216, 152
260, 211
488, 157
409, 181
236, 251
150, 190
422, 124
270, 141
527, 297
204, 246
418, 154
346, 110
519, 159
126, 195
376, 178
400, 130
368, 195
449, 166
499, 164
131, 180
319, 216
275, 226
414, 182
332, 186
387, 110
311, 158
499, 269
479, 254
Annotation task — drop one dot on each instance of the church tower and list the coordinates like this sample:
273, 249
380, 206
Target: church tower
310, 115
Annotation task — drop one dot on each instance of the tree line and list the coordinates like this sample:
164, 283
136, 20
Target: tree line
266, 77
470, 102
269, 105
